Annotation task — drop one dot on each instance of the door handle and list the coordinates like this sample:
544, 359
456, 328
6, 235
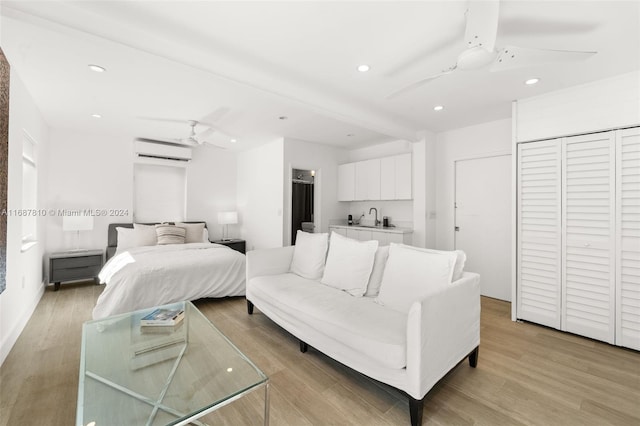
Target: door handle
457, 228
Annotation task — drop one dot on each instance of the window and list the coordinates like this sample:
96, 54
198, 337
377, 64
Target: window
159, 192
29, 192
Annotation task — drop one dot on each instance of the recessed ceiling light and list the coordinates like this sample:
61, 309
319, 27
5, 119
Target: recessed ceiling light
233, 141
96, 68
283, 117
364, 68
531, 81
96, 115
438, 108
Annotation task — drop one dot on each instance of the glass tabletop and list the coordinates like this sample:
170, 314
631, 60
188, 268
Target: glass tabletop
137, 375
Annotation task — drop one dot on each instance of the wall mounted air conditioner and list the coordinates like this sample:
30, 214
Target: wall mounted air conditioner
158, 150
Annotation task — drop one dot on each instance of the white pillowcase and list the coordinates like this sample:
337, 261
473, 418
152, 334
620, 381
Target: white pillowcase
458, 268
375, 281
194, 231
309, 255
145, 234
349, 264
126, 238
412, 273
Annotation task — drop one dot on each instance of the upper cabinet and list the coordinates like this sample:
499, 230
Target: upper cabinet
395, 177
386, 178
347, 182
368, 180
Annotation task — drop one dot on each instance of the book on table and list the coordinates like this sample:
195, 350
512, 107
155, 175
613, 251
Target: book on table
163, 317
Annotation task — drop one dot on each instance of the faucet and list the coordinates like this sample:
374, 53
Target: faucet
377, 222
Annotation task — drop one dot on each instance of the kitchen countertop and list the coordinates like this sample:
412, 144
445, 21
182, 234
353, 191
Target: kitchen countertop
393, 229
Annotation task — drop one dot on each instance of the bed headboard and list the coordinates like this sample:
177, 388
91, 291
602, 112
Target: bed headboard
112, 234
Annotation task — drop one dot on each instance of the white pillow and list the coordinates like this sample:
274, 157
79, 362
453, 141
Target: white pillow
194, 231
126, 238
309, 255
382, 254
170, 234
411, 274
349, 264
458, 268
145, 235
205, 235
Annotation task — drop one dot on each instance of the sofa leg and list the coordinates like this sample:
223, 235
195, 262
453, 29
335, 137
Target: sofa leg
415, 411
249, 307
473, 357
303, 347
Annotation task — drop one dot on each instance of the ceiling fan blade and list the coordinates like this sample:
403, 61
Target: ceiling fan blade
520, 57
215, 116
214, 145
482, 24
166, 120
213, 128
419, 83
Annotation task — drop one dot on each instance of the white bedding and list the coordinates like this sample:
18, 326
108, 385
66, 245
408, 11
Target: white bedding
143, 277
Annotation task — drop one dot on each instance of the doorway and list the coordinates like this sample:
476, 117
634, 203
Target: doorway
483, 221
302, 202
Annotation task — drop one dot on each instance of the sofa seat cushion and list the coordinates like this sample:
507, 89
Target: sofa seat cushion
361, 324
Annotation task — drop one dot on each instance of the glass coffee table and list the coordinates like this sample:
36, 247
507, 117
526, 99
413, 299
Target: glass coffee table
137, 375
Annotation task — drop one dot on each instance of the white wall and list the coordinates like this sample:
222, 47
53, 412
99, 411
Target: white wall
89, 171
260, 195
24, 269
599, 105
324, 160
469, 142
212, 188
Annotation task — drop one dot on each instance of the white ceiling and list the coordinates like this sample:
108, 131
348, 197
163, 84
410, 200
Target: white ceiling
262, 60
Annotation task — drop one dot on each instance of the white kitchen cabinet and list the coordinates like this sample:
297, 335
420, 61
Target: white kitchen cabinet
367, 178
337, 230
403, 177
395, 177
346, 182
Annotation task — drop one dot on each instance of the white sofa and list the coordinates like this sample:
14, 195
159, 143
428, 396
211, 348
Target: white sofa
409, 351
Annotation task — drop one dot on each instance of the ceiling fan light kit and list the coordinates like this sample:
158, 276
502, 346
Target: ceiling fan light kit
480, 37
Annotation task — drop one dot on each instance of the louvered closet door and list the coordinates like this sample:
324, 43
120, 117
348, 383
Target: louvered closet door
588, 296
628, 233
539, 232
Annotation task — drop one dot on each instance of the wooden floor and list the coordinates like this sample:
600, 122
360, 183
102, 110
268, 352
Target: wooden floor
526, 375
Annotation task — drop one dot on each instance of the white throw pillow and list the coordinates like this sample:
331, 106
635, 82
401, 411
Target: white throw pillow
170, 234
458, 268
205, 235
145, 235
411, 274
373, 288
309, 255
349, 264
126, 238
194, 231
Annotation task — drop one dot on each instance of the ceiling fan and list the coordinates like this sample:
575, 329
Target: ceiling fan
194, 138
480, 37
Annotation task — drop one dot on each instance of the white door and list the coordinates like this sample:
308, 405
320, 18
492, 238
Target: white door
539, 247
588, 235
628, 243
483, 221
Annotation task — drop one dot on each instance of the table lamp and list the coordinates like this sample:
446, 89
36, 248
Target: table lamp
226, 219
77, 224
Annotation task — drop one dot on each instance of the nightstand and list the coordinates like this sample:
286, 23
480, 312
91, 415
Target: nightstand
237, 245
74, 265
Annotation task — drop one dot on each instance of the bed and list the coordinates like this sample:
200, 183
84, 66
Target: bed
144, 276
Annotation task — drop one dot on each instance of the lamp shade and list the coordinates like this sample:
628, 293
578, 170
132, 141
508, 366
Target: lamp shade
227, 218
77, 223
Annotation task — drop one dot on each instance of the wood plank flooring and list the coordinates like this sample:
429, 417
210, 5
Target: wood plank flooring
526, 374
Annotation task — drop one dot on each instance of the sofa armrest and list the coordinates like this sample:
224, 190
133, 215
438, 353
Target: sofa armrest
442, 329
269, 261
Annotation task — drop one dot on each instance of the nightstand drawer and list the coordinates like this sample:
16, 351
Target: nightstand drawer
76, 262
78, 273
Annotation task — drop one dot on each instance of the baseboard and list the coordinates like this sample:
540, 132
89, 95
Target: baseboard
12, 337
